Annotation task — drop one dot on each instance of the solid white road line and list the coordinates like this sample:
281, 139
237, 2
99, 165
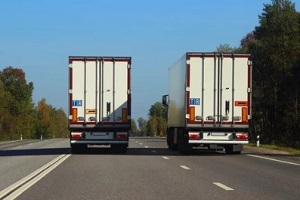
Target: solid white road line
272, 159
185, 167
22, 185
166, 158
224, 187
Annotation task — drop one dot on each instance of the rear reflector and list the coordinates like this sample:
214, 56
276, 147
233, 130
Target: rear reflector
244, 114
74, 114
124, 115
194, 136
192, 113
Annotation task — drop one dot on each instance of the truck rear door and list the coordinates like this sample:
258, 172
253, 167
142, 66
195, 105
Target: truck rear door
218, 90
99, 90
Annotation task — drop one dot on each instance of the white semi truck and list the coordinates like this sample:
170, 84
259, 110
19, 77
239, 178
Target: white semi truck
99, 101
209, 102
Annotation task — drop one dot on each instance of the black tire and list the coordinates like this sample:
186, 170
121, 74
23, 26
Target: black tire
170, 140
229, 150
78, 148
120, 148
183, 143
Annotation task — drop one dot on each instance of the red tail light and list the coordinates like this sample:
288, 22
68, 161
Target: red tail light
77, 136
194, 136
121, 136
241, 136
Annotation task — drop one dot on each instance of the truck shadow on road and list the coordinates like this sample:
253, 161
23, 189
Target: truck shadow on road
104, 151
130, 152
34, 152
147, 152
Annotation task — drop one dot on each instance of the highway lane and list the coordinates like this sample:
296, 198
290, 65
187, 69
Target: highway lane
20, 158
150, 171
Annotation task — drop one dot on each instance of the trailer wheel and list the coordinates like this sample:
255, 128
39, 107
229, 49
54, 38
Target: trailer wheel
120, 148
170, 140
229, 150
78, 148
183, 143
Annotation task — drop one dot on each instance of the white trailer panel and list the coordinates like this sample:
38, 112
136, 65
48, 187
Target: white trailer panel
218, 89
99, 99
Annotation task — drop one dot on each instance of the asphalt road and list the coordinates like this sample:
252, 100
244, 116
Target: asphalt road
148, 171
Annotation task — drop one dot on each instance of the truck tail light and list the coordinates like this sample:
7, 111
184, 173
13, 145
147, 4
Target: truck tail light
192, 113
74, 114
194, 136
124, 115
77, 136
122, 136
241, 136
244, 114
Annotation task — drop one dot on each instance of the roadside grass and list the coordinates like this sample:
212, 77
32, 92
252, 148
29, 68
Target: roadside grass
277, 147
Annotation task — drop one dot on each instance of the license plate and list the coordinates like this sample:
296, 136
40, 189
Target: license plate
100, 134
218, 134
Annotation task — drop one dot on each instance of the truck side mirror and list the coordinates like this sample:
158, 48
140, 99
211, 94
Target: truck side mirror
165, 100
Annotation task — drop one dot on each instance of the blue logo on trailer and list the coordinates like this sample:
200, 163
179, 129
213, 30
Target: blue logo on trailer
194, 101
77, 102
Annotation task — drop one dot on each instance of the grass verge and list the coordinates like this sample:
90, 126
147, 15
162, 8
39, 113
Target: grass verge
277, 147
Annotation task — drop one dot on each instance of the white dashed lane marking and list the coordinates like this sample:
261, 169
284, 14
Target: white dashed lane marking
166, 158
224, 187
185, 167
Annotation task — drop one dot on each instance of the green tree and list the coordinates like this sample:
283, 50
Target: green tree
275, 53
5, 117
58, 123
152, 126
43, 127
158, 110
18, 104
157, 124
225, 48
134, 130
142, 124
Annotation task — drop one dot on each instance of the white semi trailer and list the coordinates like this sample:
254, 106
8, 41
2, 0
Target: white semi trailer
99, 101
209, 101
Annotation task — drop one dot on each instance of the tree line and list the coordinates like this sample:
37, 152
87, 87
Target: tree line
155, 126
19, 116
274, 46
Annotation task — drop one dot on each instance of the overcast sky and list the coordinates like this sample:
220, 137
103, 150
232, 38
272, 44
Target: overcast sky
39, 35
